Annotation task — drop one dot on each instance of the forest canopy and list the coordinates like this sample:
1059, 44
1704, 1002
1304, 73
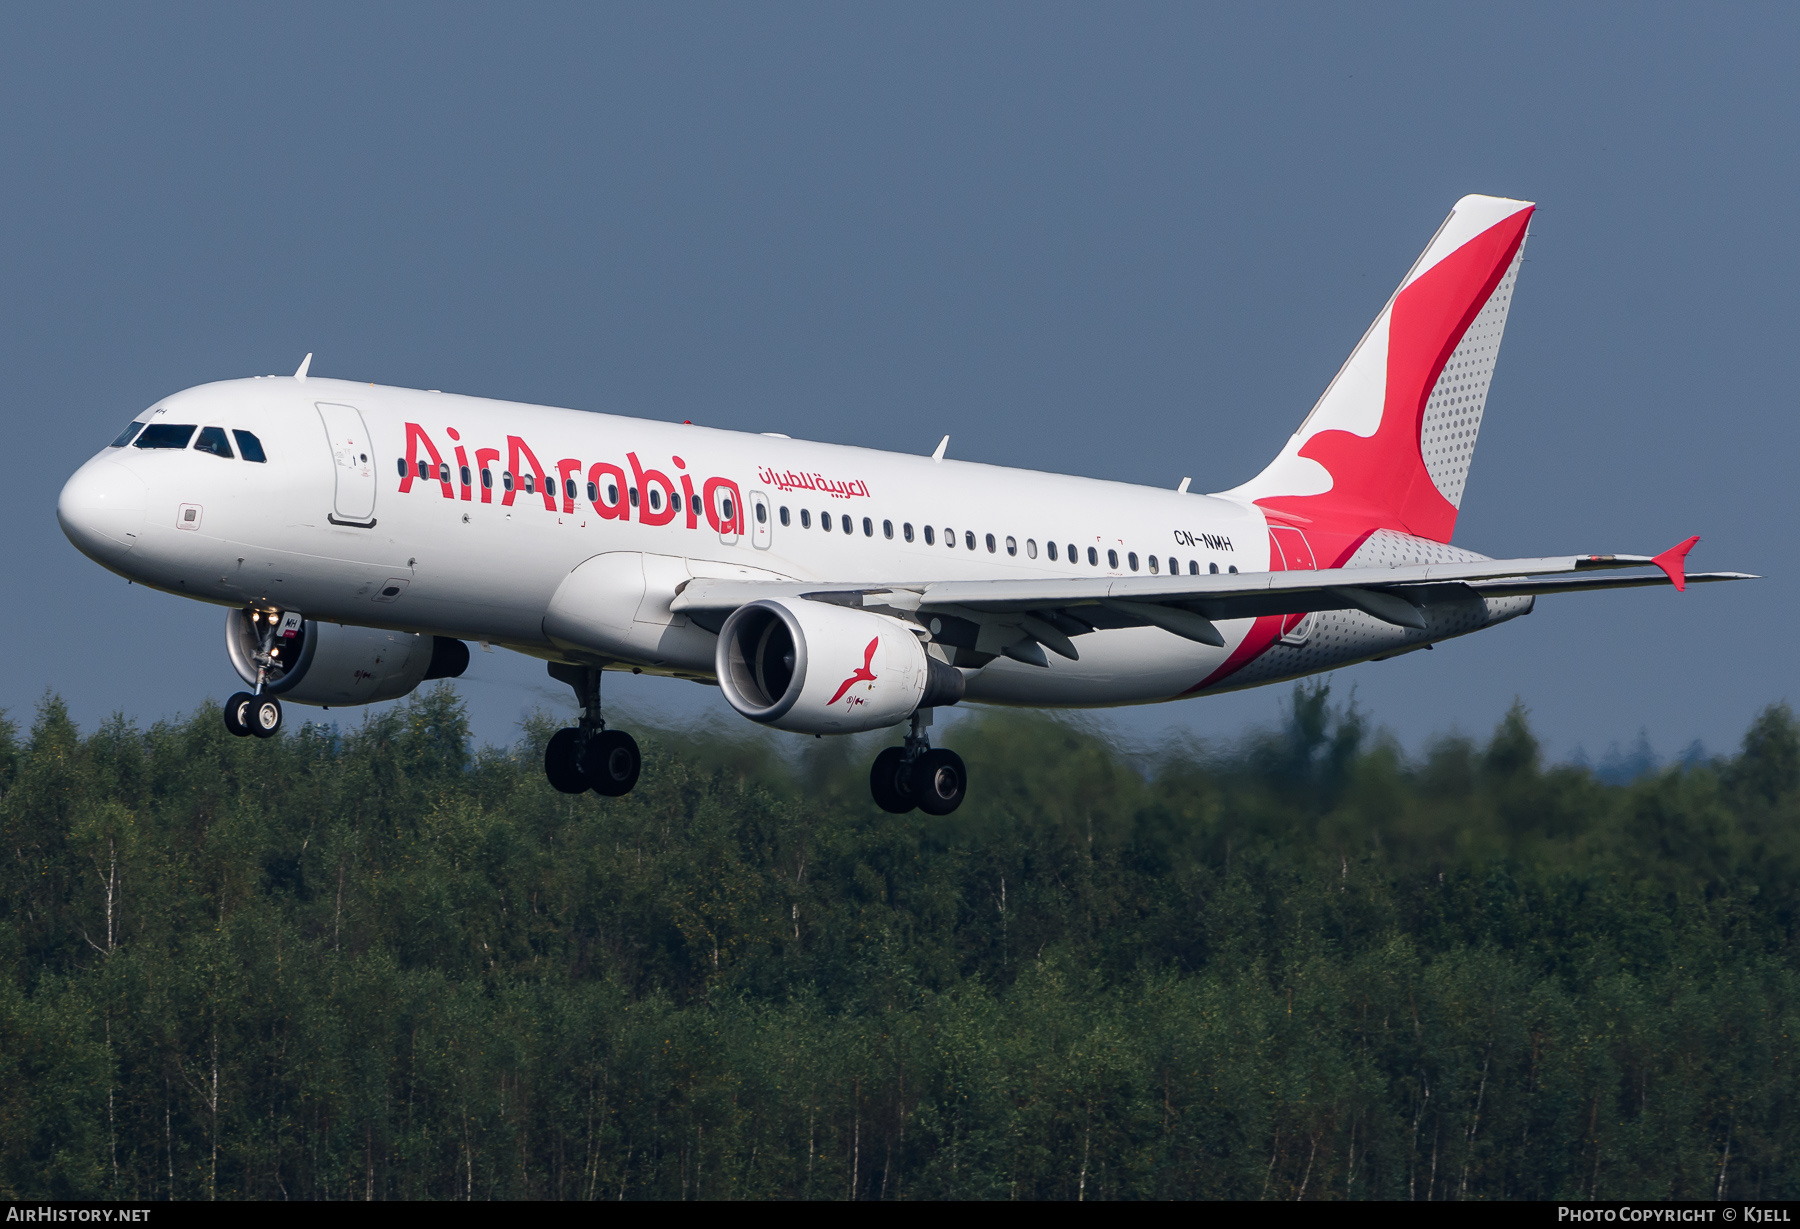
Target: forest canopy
382, 963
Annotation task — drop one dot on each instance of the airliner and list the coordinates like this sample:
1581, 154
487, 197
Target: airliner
360, 535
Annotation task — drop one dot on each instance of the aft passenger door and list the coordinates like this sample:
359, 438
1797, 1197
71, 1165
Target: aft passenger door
352, 463
1289, 551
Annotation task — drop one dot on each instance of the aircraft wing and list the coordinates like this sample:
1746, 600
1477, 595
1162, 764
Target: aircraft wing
1055, 609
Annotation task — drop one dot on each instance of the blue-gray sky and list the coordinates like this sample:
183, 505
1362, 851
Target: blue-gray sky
1127, 241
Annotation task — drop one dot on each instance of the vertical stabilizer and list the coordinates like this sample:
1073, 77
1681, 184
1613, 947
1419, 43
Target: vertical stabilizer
1388, 446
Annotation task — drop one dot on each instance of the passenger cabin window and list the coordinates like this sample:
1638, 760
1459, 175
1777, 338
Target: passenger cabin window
655, 500
424, 469
726, 510
1093, 557
805, 519
1050, 549
127, 435
1112, 560
950, 537
506, 479
762, 514
1194, 567
212, 439
990, 543
634, 495
1031, 548
869, 528
1131, 558
443, 471
930, 537
569, 488
593, 490
487, 479
250, 448
166, 435
969, 538
887, 530
531, 484
1232, 568
784, 514
1075, 555
825, 521
675, 505
1213, 568
1152, 562
464, 474
845, 523
906, 531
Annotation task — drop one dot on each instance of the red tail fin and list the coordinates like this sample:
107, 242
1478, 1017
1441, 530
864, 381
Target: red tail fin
1388, 445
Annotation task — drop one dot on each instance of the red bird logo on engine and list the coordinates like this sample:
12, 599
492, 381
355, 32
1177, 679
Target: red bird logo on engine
862, 675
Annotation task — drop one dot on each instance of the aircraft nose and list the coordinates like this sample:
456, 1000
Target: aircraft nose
101, 510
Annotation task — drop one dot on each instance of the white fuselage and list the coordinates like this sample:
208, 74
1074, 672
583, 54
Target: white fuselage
328, 526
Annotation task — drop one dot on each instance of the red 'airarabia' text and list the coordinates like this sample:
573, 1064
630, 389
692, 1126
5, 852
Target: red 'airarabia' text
648, 496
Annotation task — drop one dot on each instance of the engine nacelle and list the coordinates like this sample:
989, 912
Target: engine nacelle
815, 668
330, 664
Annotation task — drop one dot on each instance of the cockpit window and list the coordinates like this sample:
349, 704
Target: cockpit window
212, 439
250, 448
166, 435
127, 435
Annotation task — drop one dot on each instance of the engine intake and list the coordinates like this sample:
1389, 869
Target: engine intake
330, 664
818, 669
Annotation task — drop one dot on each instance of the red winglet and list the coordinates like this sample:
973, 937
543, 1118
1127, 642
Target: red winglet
1673, 560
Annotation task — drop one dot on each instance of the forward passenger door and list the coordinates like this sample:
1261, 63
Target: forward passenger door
353, 463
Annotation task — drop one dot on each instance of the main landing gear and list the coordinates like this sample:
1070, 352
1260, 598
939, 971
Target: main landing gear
913, 775
588, 756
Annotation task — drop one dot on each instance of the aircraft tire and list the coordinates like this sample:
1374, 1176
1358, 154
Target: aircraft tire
264, 716
890, 782
939, 781
561, 762
610, 763
237, 714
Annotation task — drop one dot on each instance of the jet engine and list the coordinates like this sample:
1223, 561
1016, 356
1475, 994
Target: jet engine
330, 664
815, 668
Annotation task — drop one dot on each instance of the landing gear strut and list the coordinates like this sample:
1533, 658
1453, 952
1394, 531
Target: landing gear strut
914, 775
588, 755
248, 712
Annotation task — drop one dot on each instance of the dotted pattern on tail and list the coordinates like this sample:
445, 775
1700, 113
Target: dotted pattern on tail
1453, 414
1389, 548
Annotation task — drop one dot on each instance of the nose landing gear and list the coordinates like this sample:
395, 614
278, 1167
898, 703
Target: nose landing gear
914, 775
247, 712
588, 755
